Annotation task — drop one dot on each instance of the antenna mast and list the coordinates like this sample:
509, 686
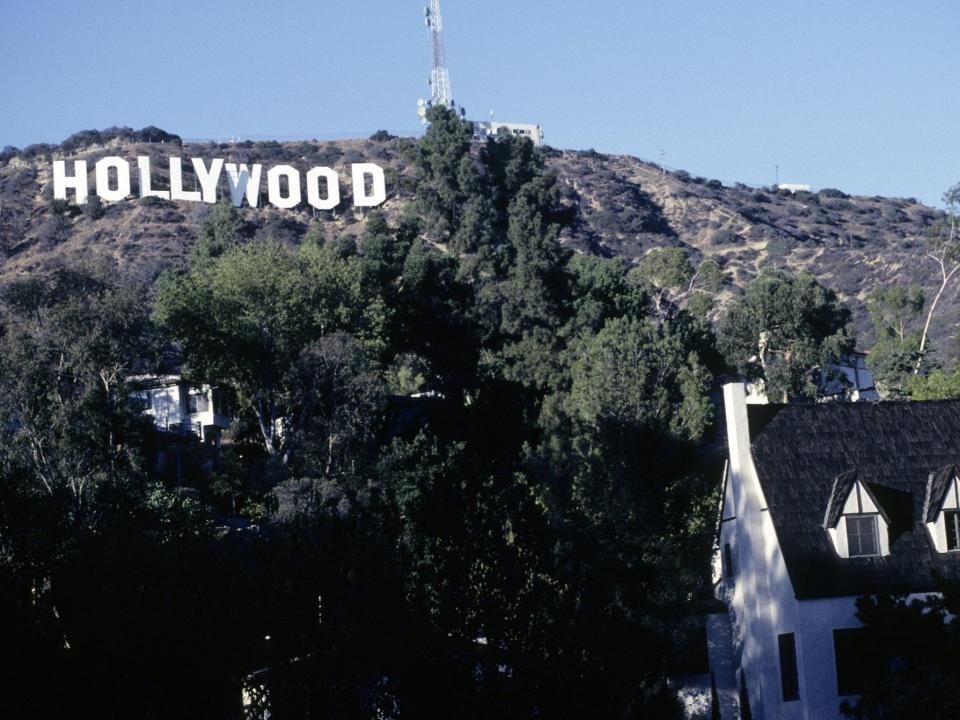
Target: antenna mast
441, 93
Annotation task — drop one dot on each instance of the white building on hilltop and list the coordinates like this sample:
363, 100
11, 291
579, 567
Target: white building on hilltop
492, 128
824, 503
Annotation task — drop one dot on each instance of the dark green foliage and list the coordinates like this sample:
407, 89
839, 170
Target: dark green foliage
913, 646
473, 456
833, 193
220, 230
247, 314
934, 385
781, 330
86, 138
896, 315
93, 208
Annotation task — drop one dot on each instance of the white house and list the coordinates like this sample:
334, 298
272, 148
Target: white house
824, 503
179, 406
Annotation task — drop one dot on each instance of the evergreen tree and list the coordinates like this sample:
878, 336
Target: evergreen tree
782, 330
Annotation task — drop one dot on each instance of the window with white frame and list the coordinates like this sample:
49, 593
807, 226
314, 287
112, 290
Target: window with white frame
862, 538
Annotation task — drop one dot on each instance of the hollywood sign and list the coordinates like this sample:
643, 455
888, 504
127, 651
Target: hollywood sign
322, 184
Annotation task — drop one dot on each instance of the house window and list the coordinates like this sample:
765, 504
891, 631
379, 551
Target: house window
851, 655
198, 403
220, 402
952, 520
862, 536
727, 560
789, 679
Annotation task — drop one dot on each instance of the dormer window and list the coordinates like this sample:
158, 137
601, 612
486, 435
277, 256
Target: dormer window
856, 522
942, 509
862, 536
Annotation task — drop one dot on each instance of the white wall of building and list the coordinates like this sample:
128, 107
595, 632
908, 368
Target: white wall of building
761, 599
494, 128
168, 403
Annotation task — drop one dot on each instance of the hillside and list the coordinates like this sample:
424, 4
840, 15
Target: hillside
624, 206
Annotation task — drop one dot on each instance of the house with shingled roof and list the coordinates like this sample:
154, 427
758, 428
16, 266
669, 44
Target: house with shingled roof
824, 503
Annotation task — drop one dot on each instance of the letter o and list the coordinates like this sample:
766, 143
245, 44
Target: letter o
103, 179
333, 188
273, 187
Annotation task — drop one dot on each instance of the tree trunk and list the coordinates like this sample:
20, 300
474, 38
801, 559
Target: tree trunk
933, 306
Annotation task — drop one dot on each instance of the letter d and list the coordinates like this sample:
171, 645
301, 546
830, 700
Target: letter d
379, 194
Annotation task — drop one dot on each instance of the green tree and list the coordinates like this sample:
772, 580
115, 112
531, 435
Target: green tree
66, 349
633, 373
673, 281
783, 329
626, 494
447, 183
894, 312
246, 318
910, 648
221, 229
935, 385
943, 248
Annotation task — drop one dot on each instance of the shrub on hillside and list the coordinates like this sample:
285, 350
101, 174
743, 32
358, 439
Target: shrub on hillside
725, 237
833, 193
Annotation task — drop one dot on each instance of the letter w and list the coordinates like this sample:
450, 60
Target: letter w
244, 181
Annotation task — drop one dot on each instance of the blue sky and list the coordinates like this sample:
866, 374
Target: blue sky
854, 94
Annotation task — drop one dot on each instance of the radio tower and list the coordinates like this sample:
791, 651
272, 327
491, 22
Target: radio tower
440, 92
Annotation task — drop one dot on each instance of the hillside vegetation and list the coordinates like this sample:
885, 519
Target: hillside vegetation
622, 207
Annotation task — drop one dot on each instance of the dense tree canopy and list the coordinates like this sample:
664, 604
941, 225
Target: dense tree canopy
911, 649
466, 477
782, 329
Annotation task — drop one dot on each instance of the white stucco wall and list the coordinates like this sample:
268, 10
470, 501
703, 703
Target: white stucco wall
761, 597
166, 405
169, 406
818, 667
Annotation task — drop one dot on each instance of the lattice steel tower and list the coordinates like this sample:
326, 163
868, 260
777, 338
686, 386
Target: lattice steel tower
440, 92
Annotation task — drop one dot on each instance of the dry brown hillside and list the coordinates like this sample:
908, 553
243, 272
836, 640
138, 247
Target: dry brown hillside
625, 208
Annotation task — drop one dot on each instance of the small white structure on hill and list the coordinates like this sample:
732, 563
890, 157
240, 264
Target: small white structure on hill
483, 130
179, 406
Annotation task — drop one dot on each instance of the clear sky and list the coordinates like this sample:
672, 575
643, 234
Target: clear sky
856, 94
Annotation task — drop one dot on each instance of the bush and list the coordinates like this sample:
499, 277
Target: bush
382, 136
725, 237
93, 208
834, 193
86, 138
840, 205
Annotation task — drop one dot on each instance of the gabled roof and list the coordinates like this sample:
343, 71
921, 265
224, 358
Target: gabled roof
843, 485
937, 487
806, 455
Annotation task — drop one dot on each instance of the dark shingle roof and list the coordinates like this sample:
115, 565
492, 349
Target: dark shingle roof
938, 485
893, 448
842, 485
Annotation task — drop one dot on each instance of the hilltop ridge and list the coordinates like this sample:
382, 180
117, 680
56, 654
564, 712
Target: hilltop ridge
624, 207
